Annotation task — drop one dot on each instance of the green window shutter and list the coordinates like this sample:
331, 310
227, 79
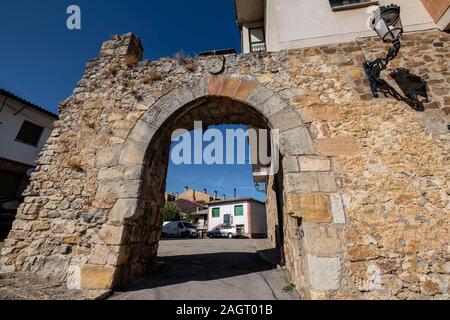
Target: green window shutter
216, 212
238, 210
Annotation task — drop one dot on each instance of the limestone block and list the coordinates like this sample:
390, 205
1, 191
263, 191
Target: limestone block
337, 208
110, 173
215, 85
96, 277
124, 209
314, 163
142, 132
258, 96
290, 164
118, 189
296, 141
271, 106
244, 91
181, 96
199, 88
338, 146
324, 273
133, 153
302, 182
323, 240
286, 119
156, 114
133, 172
110, 234
229, 87
107, 157
326, 181
310, 207
321, 113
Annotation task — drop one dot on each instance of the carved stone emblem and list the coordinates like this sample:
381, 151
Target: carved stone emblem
216, 64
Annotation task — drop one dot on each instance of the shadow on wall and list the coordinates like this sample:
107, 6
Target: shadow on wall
202, 267
412, 87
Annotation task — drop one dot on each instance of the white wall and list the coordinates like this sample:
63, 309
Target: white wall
228, 208
271, 27
308, 23
10, 125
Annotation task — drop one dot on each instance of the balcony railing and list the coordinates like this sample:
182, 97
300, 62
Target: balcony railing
257, 46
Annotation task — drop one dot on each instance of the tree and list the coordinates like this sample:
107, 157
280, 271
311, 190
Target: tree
190, 218
171, 212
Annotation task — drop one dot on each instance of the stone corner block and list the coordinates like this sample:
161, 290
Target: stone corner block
95, 277
107, 157
324, 273
314, 163
309, 207
133, 153
142, 132
337, 208
123, 210
286, 119
296, 142
118, 189
111, 235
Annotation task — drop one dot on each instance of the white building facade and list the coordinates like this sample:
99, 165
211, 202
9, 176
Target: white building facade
247, 214
273, 25
24, 129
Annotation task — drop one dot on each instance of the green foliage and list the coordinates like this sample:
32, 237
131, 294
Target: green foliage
170, 212
289, 288
190, 218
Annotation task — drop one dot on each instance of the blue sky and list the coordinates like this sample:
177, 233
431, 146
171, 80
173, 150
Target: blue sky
44, 60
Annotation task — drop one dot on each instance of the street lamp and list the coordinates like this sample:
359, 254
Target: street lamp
387, 23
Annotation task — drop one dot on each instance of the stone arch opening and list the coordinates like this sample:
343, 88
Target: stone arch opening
142, 228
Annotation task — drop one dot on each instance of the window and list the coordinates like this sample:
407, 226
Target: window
257, 39
180, 225
350, 4
30, 133
239, 210
216, 212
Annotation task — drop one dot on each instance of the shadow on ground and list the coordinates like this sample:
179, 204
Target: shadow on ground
203, 267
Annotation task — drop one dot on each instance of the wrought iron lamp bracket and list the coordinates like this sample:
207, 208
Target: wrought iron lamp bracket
373, 68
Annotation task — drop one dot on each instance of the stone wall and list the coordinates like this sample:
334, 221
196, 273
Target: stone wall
365, 181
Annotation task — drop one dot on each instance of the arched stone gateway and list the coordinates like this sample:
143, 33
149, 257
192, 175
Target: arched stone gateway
354, 213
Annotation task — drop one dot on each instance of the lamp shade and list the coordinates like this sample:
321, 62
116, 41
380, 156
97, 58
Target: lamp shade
387, 23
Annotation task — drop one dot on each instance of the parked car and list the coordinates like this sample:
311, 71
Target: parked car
179, 229
8, 210
229, 231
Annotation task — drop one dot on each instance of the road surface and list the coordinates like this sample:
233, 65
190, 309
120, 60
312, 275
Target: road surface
205, 269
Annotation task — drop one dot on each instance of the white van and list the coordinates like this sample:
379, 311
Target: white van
179, 229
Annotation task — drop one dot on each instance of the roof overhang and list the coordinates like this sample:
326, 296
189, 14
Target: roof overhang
249, 10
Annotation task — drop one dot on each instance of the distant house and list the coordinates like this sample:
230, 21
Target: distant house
191, 200
187, 207
24, 129
248, 214
198, 196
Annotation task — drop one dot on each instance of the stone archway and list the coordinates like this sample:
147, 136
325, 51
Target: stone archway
133, 226
107, 234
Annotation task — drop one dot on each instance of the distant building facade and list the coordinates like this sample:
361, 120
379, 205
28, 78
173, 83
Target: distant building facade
274, 25
24, 129
247, 214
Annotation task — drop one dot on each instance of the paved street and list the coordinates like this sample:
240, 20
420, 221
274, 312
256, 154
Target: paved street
210, 269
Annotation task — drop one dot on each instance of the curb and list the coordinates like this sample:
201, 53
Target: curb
260, 251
